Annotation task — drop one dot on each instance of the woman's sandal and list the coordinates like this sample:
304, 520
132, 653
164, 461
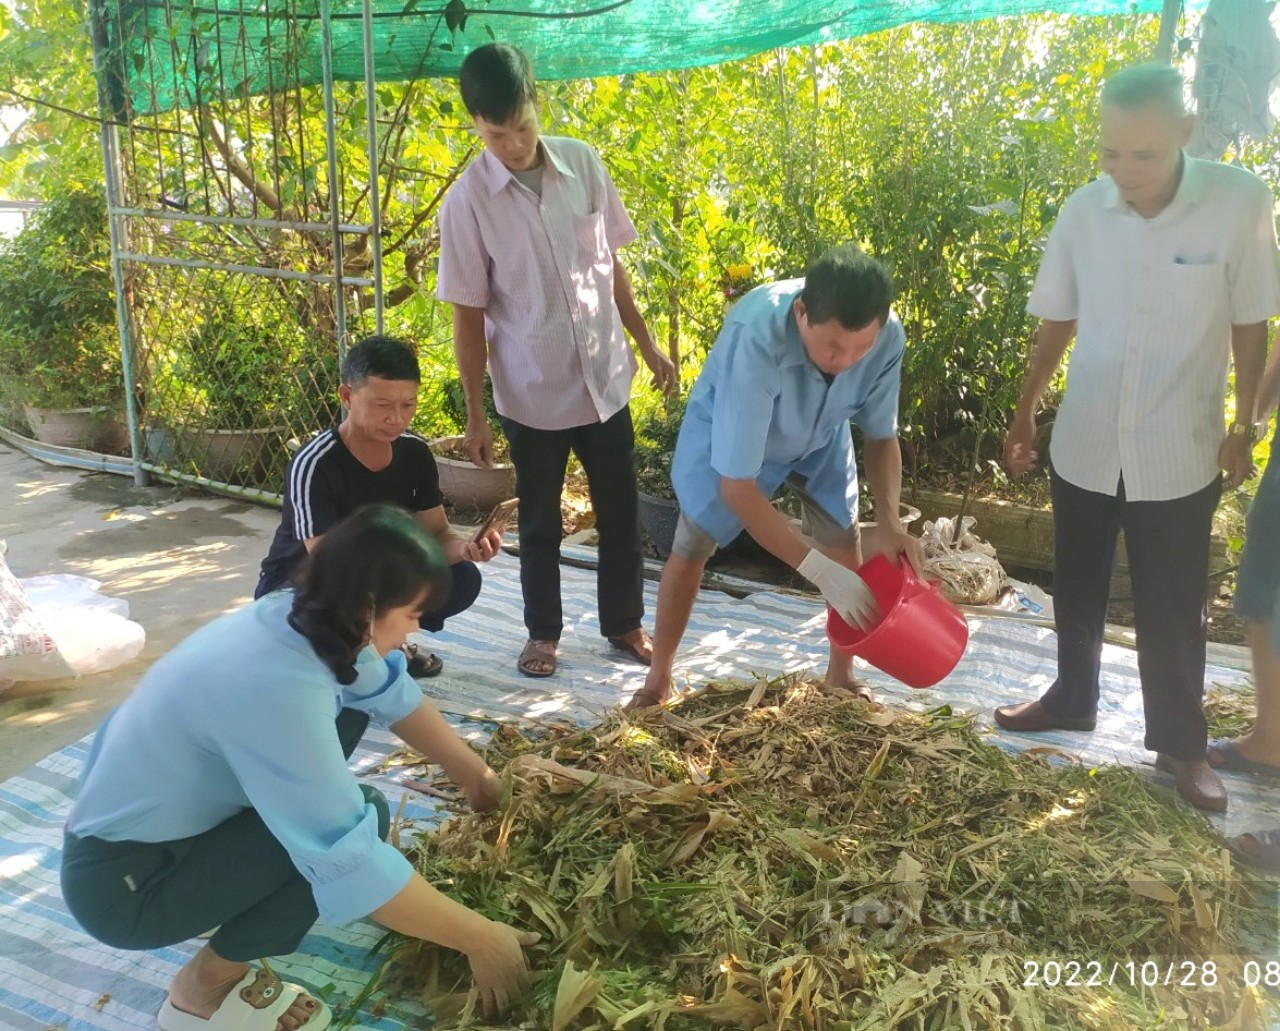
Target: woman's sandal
1222, 754
422, 664
535, 655
1260, 849
255, 1004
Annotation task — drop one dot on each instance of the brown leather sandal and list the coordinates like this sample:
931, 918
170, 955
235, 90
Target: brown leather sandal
646, 699
630, 645
860, 690
535, 655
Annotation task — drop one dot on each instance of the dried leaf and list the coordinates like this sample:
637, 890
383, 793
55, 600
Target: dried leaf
1204, 915
1049, 750
575, 992
569, 778
623, 872
707, 823
810, 845
732, 1008
763, 756
1152, 889
877, 761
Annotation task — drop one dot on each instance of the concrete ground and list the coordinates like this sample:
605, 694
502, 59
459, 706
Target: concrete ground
177, 557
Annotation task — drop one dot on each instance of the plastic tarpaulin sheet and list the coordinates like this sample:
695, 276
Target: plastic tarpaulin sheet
53, 976
174, 53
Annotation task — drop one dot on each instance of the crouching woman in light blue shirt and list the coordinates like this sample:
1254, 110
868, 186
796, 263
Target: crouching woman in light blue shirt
218, 795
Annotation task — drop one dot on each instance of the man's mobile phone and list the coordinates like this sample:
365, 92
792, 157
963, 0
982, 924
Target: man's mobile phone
498, 519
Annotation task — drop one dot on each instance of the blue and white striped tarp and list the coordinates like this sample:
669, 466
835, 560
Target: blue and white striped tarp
52, 976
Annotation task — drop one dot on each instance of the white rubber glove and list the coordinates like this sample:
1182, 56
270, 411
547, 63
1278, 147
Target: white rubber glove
845, 590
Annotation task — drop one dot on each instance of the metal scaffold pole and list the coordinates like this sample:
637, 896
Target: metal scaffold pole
331, 154
371, 141
113, 173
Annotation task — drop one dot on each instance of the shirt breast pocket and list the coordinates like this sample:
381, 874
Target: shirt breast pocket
592, 243
1199, 282
1195, 299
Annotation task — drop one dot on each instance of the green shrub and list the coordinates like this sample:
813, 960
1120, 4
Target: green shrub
58, 341
240, 362
657, 430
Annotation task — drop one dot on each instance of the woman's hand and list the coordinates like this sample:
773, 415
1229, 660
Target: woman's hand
494, 950
483, 791
498, 966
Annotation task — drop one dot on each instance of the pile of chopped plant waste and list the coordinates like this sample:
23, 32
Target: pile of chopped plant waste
769, 856
1229, 711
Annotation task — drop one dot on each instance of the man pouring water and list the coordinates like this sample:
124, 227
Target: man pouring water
794, 363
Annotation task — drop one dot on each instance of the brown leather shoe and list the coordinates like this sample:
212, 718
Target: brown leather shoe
1196, 782
1032, 718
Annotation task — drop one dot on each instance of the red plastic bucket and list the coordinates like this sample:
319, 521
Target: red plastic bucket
920, 635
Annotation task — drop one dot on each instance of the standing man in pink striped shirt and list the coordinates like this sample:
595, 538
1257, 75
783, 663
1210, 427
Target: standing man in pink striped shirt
529, 237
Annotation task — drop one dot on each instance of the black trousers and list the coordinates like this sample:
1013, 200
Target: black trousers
607, 453
1168, 547
463, 594
235, 876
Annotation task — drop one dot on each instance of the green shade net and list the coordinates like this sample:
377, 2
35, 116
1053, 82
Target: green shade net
168, 53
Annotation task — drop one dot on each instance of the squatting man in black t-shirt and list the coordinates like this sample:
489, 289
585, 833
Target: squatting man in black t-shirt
370, 457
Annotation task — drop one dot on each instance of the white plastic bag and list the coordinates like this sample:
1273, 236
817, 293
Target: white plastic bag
21, 633
60, 626
967, 571
1026, 598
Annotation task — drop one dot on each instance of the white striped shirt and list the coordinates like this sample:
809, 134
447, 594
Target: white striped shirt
1155, 300
542, 270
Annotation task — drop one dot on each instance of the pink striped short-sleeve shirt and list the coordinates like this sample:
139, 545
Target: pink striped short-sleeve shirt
542, 270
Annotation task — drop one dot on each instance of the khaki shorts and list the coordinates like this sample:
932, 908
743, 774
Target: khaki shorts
694, 543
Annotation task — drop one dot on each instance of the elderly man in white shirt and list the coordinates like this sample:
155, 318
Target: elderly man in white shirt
1162, 270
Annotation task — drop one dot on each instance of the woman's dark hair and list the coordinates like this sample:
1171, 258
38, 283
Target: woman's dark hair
496, 81
378, 558
849, 286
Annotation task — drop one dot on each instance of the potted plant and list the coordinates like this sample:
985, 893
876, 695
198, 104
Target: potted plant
227, 396
463, 483
655, 446
59, 349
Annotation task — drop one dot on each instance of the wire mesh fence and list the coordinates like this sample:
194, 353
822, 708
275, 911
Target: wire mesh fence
246, 213
228, 373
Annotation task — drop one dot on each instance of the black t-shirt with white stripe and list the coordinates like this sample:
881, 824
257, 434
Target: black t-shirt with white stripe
325, 482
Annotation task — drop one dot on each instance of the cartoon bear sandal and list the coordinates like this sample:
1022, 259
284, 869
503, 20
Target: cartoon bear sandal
255, 1004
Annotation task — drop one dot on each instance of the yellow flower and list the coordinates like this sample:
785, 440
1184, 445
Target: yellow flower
739, 272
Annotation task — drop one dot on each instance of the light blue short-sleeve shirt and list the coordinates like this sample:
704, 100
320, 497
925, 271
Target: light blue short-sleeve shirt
762, 410
241, 715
